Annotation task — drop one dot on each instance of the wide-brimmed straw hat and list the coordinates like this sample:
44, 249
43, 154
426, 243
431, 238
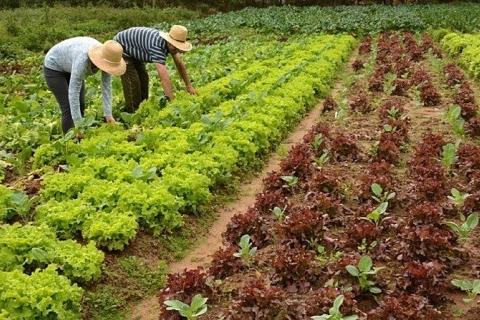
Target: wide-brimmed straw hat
108, 57
177, 37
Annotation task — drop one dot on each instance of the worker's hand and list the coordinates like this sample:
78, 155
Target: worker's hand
192, 90
110, 119
79, 135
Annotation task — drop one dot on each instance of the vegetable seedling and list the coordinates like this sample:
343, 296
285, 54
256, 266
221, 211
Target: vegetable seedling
471, 287
279, 213
362, 271
317, 141
246, 252
449, 155
380, 195
378, 212
323, 159
192, 311
290, 180
465, 228
334, 312
458, 198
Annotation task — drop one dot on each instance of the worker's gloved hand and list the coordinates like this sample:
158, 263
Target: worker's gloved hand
110, 119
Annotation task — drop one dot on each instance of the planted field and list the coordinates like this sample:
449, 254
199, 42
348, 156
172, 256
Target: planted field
374, 210
372, 214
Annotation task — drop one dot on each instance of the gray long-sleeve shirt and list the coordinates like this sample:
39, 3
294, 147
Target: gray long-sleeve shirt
71, 56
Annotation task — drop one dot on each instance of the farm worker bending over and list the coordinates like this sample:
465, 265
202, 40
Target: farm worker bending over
66, 66
142, 45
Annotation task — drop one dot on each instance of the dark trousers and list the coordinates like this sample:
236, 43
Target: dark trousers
58, 83
135, 84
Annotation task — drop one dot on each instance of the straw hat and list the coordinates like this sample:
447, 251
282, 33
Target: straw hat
108, 57
177, 37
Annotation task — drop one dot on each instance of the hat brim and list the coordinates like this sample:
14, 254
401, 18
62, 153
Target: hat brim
95, 55
184, 46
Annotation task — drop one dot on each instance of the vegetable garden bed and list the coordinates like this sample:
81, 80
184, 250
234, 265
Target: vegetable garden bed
375, 210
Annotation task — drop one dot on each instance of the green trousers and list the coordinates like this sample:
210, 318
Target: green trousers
135, 84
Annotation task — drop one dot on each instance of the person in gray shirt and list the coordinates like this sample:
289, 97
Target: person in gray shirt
66, 66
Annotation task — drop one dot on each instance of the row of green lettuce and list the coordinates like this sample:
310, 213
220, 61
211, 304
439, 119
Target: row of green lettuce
466, 47
119, 179
116, 184
30, 116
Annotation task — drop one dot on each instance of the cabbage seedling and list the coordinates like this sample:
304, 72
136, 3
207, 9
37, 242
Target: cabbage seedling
334, 312
381, 195
192, 311
471, 287
362, 271
378, 212
465, 228
458, 198
279, 213
449, 155
290, 180
246, 252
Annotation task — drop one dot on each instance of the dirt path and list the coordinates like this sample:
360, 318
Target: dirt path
148, 309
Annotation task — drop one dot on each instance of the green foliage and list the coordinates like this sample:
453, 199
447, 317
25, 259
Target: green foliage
378, 212
467, 48
381, 195
112, 230
363, 271
463, 230
42, 295
29, 247
458, 198
192, 311
66, 217
279, 213
247, 251
472, 287
13, 203
290, 180
449, 155
454, 117
334, 312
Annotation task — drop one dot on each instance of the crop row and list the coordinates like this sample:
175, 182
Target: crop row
119, 179
467, 48
171, 170
367, 230
29, 112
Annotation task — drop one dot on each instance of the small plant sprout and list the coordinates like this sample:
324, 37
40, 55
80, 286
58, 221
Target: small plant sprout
378, 212
364, 247
192, 311
279, 213
466, 227
389, 128
393, 113
454, 117
458, 198
449, 155
246, 252
362, 272
334, 312
471, 287
381, 195
324, 257
317, 141
323, 159
290, 180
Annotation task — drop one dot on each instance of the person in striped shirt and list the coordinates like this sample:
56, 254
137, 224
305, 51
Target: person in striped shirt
147, 45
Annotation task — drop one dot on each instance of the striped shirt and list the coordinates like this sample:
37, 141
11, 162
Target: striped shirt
143, 44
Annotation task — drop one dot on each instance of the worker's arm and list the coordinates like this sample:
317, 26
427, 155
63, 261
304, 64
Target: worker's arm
165, 79
183, 73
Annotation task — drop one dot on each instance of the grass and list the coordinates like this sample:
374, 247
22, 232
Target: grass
39, 28
141, 270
